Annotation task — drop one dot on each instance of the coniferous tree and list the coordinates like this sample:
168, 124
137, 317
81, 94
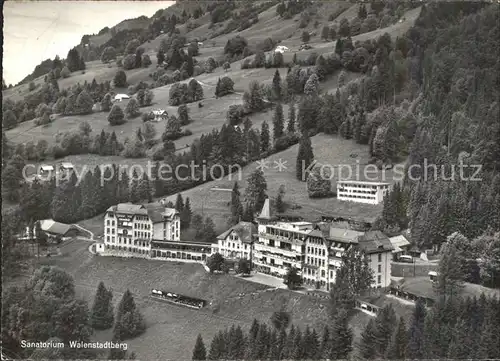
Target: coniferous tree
325, 346
341, 337
276, 87
129, 322
415, 348
367, 345
102, 315
179, 203
264, 138
255, 192
385, 324
305, 158
186, 214
199, 351
291, 119
397, 347
236, 207
278, 122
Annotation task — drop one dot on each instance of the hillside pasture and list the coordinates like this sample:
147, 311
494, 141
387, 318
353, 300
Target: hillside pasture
172, 330
328, 150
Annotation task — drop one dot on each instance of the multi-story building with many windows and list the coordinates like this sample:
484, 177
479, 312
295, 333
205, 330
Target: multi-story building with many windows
324, 248
131, 227
362, 192
150, 231
279, 245
316, 250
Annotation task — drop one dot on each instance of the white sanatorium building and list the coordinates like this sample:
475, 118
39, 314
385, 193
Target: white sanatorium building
148, 231
316, 250
362, 192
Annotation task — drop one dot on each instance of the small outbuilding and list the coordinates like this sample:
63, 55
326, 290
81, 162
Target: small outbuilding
158, 115
120, 97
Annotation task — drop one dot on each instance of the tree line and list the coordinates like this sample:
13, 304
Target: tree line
46, 309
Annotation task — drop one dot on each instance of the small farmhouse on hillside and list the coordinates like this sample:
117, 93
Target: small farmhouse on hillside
158, 115
120, 97
46, 170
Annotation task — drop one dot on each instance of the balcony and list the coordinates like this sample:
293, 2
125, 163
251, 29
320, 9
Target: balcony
259, 246
281, 238
277, 256
278, 266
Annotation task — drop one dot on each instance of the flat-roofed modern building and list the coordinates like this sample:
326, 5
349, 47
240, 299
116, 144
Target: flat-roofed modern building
362, 192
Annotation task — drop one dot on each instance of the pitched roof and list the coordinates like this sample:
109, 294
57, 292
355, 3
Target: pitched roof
399, 241
375, 242
51, 226
66, 165
266, 212
155, 211
244, 230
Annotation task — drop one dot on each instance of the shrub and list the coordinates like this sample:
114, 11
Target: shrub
286, 142
108, 54
116, 115
235, 46
65, 73
224, 86
31, 86
210, 65
120, 79
132, 109
106, 103
129, 62
41, 109
132, 46
84, 103
146, 61
235, 114
195, 90
266, 45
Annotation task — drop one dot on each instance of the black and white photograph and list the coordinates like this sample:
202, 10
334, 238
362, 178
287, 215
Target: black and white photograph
250, 180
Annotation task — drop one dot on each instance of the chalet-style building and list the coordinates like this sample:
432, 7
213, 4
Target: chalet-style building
236, 242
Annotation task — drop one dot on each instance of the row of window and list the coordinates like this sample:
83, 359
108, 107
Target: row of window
142, 226
316, 261
141, 234
359, 197
343, 190
315, 251
110, 222
233, 245
312, 272
127, 241
128, 249
365, 186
